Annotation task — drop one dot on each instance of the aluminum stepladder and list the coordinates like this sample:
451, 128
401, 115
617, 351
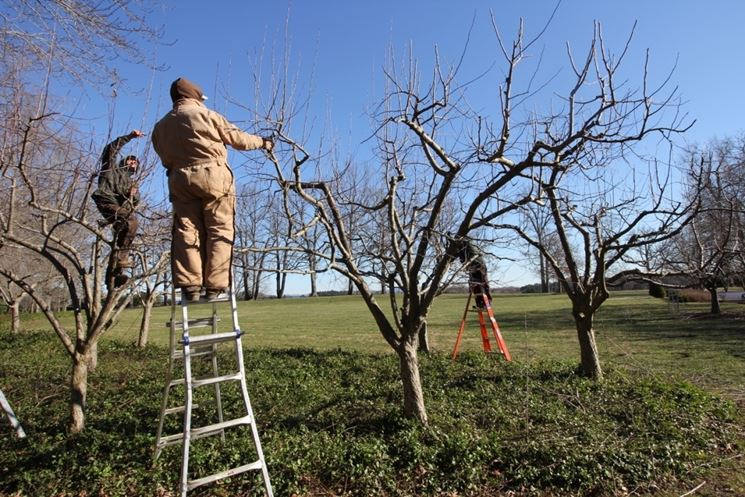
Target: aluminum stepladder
485, 342
14, 423
185, 347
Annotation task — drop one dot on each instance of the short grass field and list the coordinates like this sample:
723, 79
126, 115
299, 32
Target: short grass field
633, 329
668, 419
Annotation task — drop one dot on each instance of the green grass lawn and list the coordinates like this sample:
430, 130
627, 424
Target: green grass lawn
325, 388
633, 330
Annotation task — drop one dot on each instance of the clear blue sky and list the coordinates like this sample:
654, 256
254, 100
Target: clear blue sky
344, 43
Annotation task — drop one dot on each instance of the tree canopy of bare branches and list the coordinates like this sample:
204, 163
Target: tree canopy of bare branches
76, 39
605, 196
709, 252
445, 173
47, 216
48, 166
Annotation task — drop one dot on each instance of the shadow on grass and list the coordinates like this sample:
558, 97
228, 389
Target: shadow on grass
645, 322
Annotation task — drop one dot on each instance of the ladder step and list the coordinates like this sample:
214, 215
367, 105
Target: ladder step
223, 297
192, 484
177, 409
207, 380
179, 354
213, 338
178, 438
217, 379
193, 323
177, 382
167, 440
205, 431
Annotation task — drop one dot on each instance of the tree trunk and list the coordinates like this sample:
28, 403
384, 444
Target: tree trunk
545, 275
15, 317
147, 312
247, 293
92, 357
423, 338
78, 391
312, 274
350, 287
281, 280
413, 396
313, 285
715, 307
590, 360
256, 285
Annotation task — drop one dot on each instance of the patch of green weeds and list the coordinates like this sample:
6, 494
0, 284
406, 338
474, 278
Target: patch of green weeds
331, 424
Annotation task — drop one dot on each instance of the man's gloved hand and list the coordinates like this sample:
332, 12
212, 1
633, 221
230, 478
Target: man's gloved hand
268, 144
136, 133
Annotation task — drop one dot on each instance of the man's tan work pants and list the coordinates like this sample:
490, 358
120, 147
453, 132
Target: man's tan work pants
203, 198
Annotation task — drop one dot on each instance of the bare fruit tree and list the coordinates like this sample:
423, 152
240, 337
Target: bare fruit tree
606, 196
439, 182
252, 238
48, 165
710, 252
537, 222
153, 255
49, 215
35, 271
11, 295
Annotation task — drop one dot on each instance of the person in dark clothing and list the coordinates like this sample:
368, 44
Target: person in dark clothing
478, 281
116, 198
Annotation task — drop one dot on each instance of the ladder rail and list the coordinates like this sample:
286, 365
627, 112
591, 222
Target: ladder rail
185, 346
461, 328
485, 341
501, 344
216, 371
254, 429
188, 393
169, 377
14, 423
244, 391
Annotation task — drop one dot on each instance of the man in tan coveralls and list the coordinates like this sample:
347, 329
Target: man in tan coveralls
190, 141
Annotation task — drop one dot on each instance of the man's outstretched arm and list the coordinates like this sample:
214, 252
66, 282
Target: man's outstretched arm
111, 151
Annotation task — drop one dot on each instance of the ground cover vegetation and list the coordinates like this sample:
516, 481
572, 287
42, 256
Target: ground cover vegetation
666, 418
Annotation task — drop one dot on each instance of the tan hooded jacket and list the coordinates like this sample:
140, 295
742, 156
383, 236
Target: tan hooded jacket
191, 134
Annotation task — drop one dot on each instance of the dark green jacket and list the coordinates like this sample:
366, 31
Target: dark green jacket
115, 180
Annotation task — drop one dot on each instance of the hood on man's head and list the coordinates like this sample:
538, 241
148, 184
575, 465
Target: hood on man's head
183, 88
123, 162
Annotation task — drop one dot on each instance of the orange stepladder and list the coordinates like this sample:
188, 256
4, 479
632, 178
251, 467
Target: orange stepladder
485, 342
